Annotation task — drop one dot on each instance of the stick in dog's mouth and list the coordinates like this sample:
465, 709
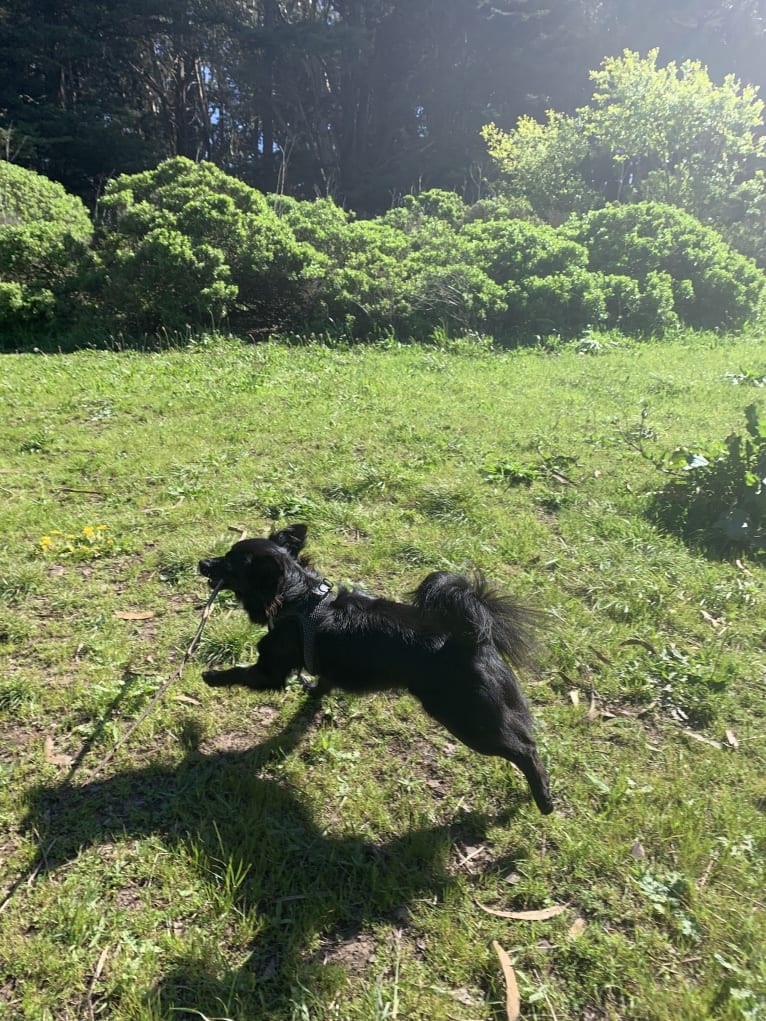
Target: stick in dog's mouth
205, 614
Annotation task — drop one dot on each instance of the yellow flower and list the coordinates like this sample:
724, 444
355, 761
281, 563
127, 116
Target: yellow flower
46, 542
89, 531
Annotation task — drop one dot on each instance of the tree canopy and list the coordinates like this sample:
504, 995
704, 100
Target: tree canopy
363, 100
664, 134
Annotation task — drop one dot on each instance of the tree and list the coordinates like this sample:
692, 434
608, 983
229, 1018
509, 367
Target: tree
363, 100
652, 133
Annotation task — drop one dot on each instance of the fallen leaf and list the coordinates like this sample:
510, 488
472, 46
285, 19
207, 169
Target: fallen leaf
731, 739
53, 757
133, 614
562, 479
592, 712
574, 696
188, 700
701, 738
540, 915
512, 1000
577, 928
637, 850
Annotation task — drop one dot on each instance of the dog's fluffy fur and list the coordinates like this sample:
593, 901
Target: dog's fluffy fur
452, 646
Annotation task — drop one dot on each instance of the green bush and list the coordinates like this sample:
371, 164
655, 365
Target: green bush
44, 237
445, 286
321, 223
669, 253
427, 206
510, 250
409, 271
361, 290
544, 279
187, 244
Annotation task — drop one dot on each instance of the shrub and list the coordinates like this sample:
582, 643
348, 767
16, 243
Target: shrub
666, 250
564, 303
445, 285
544, 281
362, 290
44, 236
409, 271
187, 244
434, 204
321, 223
642, 308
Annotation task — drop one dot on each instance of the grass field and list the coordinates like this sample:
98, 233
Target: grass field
246, 857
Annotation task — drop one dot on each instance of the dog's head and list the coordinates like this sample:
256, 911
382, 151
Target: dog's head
259, 571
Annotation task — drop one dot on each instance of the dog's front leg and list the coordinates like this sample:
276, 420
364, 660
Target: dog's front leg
246, 676
277, 659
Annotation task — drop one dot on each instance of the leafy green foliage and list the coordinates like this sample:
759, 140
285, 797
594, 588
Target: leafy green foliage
44, 234
543, 164
684, 270
717, 498
187, 244
665, 134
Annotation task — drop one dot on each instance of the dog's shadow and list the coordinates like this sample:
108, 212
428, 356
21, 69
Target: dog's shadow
307, 888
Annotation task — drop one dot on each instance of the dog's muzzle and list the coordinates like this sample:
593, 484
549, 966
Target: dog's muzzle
212, 569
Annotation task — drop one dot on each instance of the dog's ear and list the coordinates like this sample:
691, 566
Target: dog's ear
292, 538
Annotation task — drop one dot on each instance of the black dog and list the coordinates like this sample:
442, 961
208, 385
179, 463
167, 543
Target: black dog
448, 647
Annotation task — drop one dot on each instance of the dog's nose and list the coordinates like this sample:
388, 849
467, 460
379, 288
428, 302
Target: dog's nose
204, 567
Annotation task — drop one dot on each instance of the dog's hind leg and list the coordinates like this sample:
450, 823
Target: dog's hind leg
535, 773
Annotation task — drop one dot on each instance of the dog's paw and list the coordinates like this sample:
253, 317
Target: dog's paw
214, 678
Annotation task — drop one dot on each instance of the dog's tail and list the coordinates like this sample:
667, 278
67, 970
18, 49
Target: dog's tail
476, 612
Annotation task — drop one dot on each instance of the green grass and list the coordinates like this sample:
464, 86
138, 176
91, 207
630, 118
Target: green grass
244, 857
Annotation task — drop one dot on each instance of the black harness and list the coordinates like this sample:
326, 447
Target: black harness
306, 613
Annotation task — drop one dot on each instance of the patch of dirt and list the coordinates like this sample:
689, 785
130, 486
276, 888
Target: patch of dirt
19, 742
9, 846
472, 859
129, 898
240, 740
355, 953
